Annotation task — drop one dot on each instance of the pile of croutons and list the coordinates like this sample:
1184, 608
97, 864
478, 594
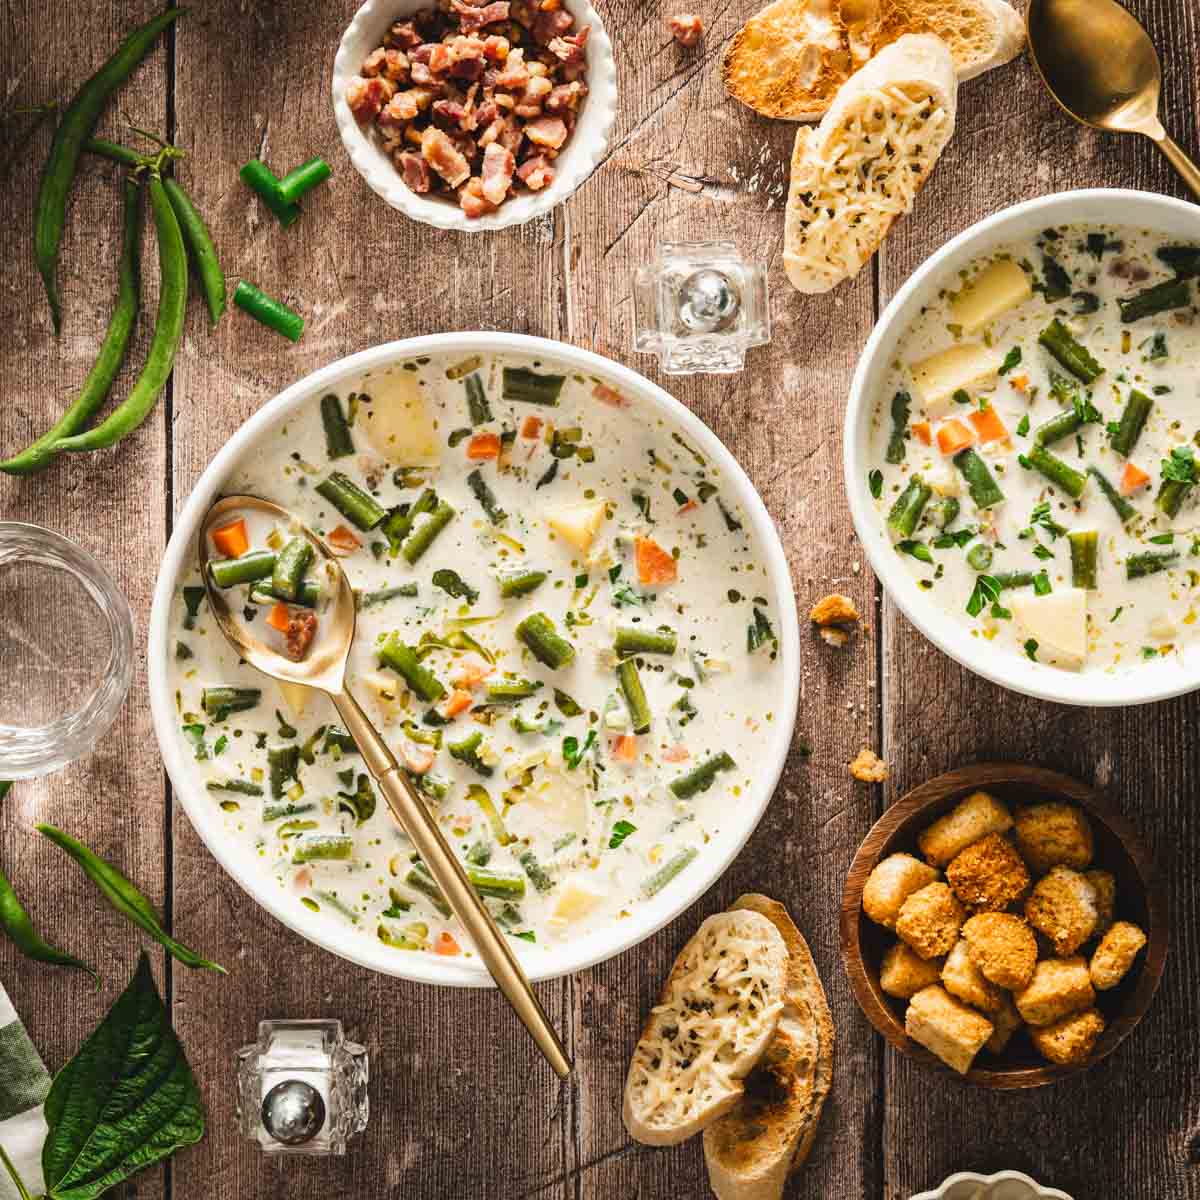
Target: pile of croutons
999, 944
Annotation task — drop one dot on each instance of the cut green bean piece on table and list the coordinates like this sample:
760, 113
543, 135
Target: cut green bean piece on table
1084, 547
405, 661
125, 898
17, 925
901, 407
520, 583
1059, 473
282, 764
467, 752
1175, 293
700, 778
1123, 508
74, 129
219, 702
985, 491
1149, 562
201, 251
545, 643
268, 311
655, 883
1131, 422
290, 566
1057, 338
303, 179
538, 875
338, 440
635, 695
323, 847
261, 180
360, 508
424, 534
477, 402
520, 383
630, 640
243, 787
909, 505
250, 567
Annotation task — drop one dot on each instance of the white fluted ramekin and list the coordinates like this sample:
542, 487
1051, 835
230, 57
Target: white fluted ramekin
579, 157
1007, 1185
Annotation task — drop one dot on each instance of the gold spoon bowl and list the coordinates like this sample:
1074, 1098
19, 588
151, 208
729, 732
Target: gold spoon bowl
324, 668
1100, 65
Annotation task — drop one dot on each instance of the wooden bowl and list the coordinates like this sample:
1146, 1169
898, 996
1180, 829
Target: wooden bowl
1141, 898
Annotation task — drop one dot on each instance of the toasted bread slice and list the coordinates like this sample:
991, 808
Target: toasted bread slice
751, 1151
790, 59
861, 168
718, 1012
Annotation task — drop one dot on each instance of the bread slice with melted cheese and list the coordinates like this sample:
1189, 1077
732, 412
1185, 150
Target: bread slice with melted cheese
790, 59
718, 1012
751, 1151
861, 167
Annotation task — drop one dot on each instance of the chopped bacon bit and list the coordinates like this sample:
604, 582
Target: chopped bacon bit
279, 616
610, 396
498, 167
625, 748
686, 29
444, 157
445, 943
532, 427
457, 702
565, 98
954, 436
536, 173
570, 50
366, 97
472, 200
654, 564
529, 102
343, 540
547, 131
676, 754
484, 446
416, 758
472, 17
1133, 479
415, 170
403, 35
549, 25
922, 432
301, 629
495, 49
988, 425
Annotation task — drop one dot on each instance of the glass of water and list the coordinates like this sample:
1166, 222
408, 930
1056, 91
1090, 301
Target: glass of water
66, 651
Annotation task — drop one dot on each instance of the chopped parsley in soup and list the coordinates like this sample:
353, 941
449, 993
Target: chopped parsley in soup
563, 633
1033, 450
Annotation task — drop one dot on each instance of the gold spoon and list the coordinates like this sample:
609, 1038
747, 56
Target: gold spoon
324, 669
1100, 65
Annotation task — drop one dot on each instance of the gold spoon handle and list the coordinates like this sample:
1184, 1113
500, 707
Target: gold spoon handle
409, 809
1179, 159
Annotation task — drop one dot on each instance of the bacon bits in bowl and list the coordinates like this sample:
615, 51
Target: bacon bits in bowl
473, 115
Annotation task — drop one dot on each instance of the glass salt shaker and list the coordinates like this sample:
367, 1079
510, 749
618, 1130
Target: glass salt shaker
700, 306
302, 1088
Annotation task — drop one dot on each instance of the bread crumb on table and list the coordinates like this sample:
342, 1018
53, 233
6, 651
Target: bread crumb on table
686, 28
869, 767
832, 636
834, 609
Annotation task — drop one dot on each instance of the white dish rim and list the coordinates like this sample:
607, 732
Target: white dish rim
1144, 684
1000, 1177
577, 954
583, 152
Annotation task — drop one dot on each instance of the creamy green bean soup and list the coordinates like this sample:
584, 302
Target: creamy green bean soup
1033, 449
564, 634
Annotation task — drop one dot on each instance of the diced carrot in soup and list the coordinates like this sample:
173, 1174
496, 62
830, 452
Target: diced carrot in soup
625, 748
676, 754
532, 427
953, 436
484, 446
279, 617
457, 702
1133, 479
923, 433
446, 944
231, 539
344, 540
988, 425
654, 564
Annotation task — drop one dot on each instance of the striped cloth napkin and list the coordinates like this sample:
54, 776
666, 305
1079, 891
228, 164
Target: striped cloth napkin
24, 1082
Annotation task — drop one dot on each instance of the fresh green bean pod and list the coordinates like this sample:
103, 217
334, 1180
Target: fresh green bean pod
94, 392
423, 536
544, 642
1132, 422
248, 568
405, 662
1059, 473
260, 179
635, 695
16, 924
1084, 547
906, 512
62, 163
985, 491
201, 251
700, 778
303, 179
168, 330
630, 640
268, 311
1123, 508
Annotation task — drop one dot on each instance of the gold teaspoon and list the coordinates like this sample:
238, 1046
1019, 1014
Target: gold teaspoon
325, 670
1098, 62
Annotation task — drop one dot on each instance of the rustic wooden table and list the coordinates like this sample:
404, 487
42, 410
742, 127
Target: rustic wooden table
463, 1106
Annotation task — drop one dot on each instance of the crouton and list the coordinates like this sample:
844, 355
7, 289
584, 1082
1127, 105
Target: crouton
946, 1027
1115, 954
1059, 987
904, 973
1070, 1041
1007, 1021
972, 820
989, 875
869, 767
831, 635
1054, 835
1106, 899
930, 919
964, 980
1063, 907
834, 610
1003, 947
891, 883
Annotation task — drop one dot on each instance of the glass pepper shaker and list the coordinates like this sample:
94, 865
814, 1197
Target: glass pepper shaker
302, 1088
700, 306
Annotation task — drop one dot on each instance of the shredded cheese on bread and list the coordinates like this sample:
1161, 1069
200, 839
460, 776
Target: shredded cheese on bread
718, 1012
861, 168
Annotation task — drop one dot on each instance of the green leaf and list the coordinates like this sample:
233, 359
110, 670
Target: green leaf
126, 1101
1031, 649
875, 483
1011, 359
453, 584
917, 549
986, 591
1023, 425
620, 831
1181, 466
